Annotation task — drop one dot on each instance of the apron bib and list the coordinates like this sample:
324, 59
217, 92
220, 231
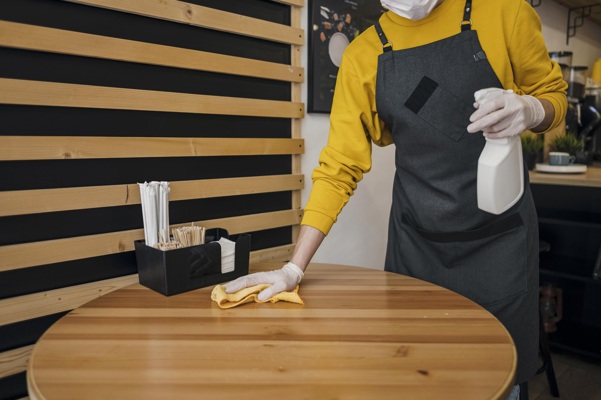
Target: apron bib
436, 231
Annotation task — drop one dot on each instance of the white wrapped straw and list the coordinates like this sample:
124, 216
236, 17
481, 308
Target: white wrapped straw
164, 211
143, 204
155, 211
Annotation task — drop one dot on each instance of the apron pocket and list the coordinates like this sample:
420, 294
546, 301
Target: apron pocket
487, 265
440, 109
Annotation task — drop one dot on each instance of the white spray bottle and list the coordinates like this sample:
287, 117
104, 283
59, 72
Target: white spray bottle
500, 182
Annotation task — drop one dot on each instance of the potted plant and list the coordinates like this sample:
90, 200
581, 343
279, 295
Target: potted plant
532, 144
567, 143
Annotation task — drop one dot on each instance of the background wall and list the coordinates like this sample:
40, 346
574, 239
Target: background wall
359, 236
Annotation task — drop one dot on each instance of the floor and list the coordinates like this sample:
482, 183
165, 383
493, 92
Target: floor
577, 378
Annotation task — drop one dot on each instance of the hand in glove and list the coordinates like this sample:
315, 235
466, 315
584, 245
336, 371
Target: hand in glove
281, 280
502, 113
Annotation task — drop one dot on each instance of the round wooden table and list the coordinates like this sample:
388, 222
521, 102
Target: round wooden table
361, 334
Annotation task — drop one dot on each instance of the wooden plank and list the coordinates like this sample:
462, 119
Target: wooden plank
296, 127
195, 15
15, 148
21, 202
295, 3
14, 361
59, 250
36, 305
25, 92
272, 254
37, 38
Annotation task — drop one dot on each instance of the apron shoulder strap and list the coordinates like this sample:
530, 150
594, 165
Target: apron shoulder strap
386, 44
466, 23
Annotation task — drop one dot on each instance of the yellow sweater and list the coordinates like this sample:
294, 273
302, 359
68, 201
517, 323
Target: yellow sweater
510, 34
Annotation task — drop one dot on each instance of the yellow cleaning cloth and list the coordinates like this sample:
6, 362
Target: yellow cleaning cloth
229, 300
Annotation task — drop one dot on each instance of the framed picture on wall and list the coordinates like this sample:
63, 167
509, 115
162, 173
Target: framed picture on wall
332, 25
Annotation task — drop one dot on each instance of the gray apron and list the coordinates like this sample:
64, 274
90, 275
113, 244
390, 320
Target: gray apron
436, 231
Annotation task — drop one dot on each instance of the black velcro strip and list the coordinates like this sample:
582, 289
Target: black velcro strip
480, 56
421, 94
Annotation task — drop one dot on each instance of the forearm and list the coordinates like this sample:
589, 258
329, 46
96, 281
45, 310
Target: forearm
308, 242
549, 116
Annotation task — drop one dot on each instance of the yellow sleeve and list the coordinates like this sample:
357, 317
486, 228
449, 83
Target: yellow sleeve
511, 35
347, 156
534, 73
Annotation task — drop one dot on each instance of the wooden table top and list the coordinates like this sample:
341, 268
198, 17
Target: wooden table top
361, 334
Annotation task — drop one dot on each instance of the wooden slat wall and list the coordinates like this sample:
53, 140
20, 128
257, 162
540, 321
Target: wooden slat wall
23, 36
98, 95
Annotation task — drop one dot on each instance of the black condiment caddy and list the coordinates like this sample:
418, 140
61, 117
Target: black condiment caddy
181, 270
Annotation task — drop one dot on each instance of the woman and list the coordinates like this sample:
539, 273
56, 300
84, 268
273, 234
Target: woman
411, 80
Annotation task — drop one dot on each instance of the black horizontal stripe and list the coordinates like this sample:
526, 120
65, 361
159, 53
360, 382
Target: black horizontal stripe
261, 9
99, 21
27, 332
57, 225
13, 387
40, 66
67, 121
41, 278
47, 174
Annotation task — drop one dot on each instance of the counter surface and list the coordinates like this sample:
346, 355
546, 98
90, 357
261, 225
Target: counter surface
362, 333
591, 178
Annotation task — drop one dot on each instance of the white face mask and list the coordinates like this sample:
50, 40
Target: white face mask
411, 9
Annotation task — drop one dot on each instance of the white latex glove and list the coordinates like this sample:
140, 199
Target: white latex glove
502, 113
281, 280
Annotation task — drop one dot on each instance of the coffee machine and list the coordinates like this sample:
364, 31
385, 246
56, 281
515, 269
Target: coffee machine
592, 100
583, 118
